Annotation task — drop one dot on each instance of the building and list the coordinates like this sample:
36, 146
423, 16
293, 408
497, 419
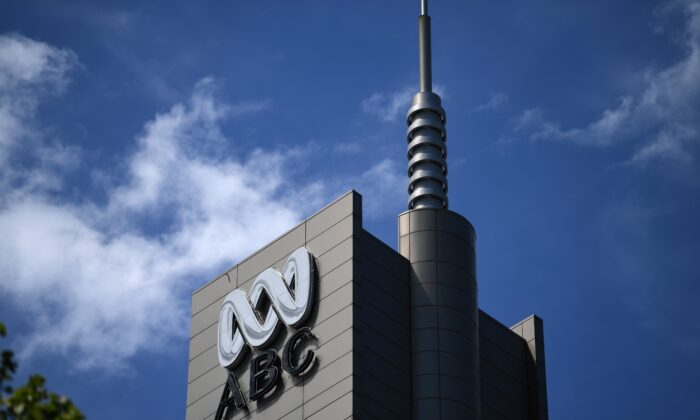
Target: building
328, 322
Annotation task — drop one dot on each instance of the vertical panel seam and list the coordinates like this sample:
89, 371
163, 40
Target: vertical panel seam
437, 315
410, 301
303, 383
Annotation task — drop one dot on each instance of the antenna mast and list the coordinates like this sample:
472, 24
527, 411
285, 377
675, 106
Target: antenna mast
426, 83
427, 151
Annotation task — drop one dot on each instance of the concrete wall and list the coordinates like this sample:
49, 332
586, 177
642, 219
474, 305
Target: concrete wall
513, 383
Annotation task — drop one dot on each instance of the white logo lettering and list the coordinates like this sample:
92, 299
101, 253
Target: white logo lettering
290, 294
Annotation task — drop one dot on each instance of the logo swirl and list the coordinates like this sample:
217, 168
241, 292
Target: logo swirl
290, 294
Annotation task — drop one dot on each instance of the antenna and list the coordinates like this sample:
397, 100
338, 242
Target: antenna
426, 83
427, 150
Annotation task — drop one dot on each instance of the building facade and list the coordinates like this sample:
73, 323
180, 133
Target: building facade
372, 358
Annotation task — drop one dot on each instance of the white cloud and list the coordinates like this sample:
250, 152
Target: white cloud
348, 148
101, 282
25, 62
662, 118
28, 69
98, 287
602, 132
391, 106
496, 99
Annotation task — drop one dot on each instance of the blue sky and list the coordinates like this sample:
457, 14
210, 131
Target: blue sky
146, 147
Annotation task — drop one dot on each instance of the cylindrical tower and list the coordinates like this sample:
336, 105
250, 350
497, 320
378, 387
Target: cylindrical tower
440, 247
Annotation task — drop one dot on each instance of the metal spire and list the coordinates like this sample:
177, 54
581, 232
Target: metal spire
427, 151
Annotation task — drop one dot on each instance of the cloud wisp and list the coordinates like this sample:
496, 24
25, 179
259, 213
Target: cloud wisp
392, 106
662, 119
29, 70
496, 100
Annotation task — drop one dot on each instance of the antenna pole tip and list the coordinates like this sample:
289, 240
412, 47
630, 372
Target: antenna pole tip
424, 7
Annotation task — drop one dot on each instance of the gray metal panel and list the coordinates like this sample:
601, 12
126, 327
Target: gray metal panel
456, 389
457, 299
332, 393
426, 386
371, 408
382, 365
424, 317
334, 257
205, 384
202, 341
451, 362
457, 225
501, 358
331, 372
275, 408
426, 362
423, 271
333, 303
513, 385
275, 251
202, 408
455, 409
349, 203
297, 414
532, 331
454, 319
452, 275
500, 336
512, 378
423, 246
426, 408
335, 279
373, 250
213, 290
443, 312
492, 397
385, 287
404, 222
338, 409
206, 317
404, 245
396, 399
380, 353
488, 413
331, 237
425, 339
202, 364
422, 220
424, 294
398, 334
